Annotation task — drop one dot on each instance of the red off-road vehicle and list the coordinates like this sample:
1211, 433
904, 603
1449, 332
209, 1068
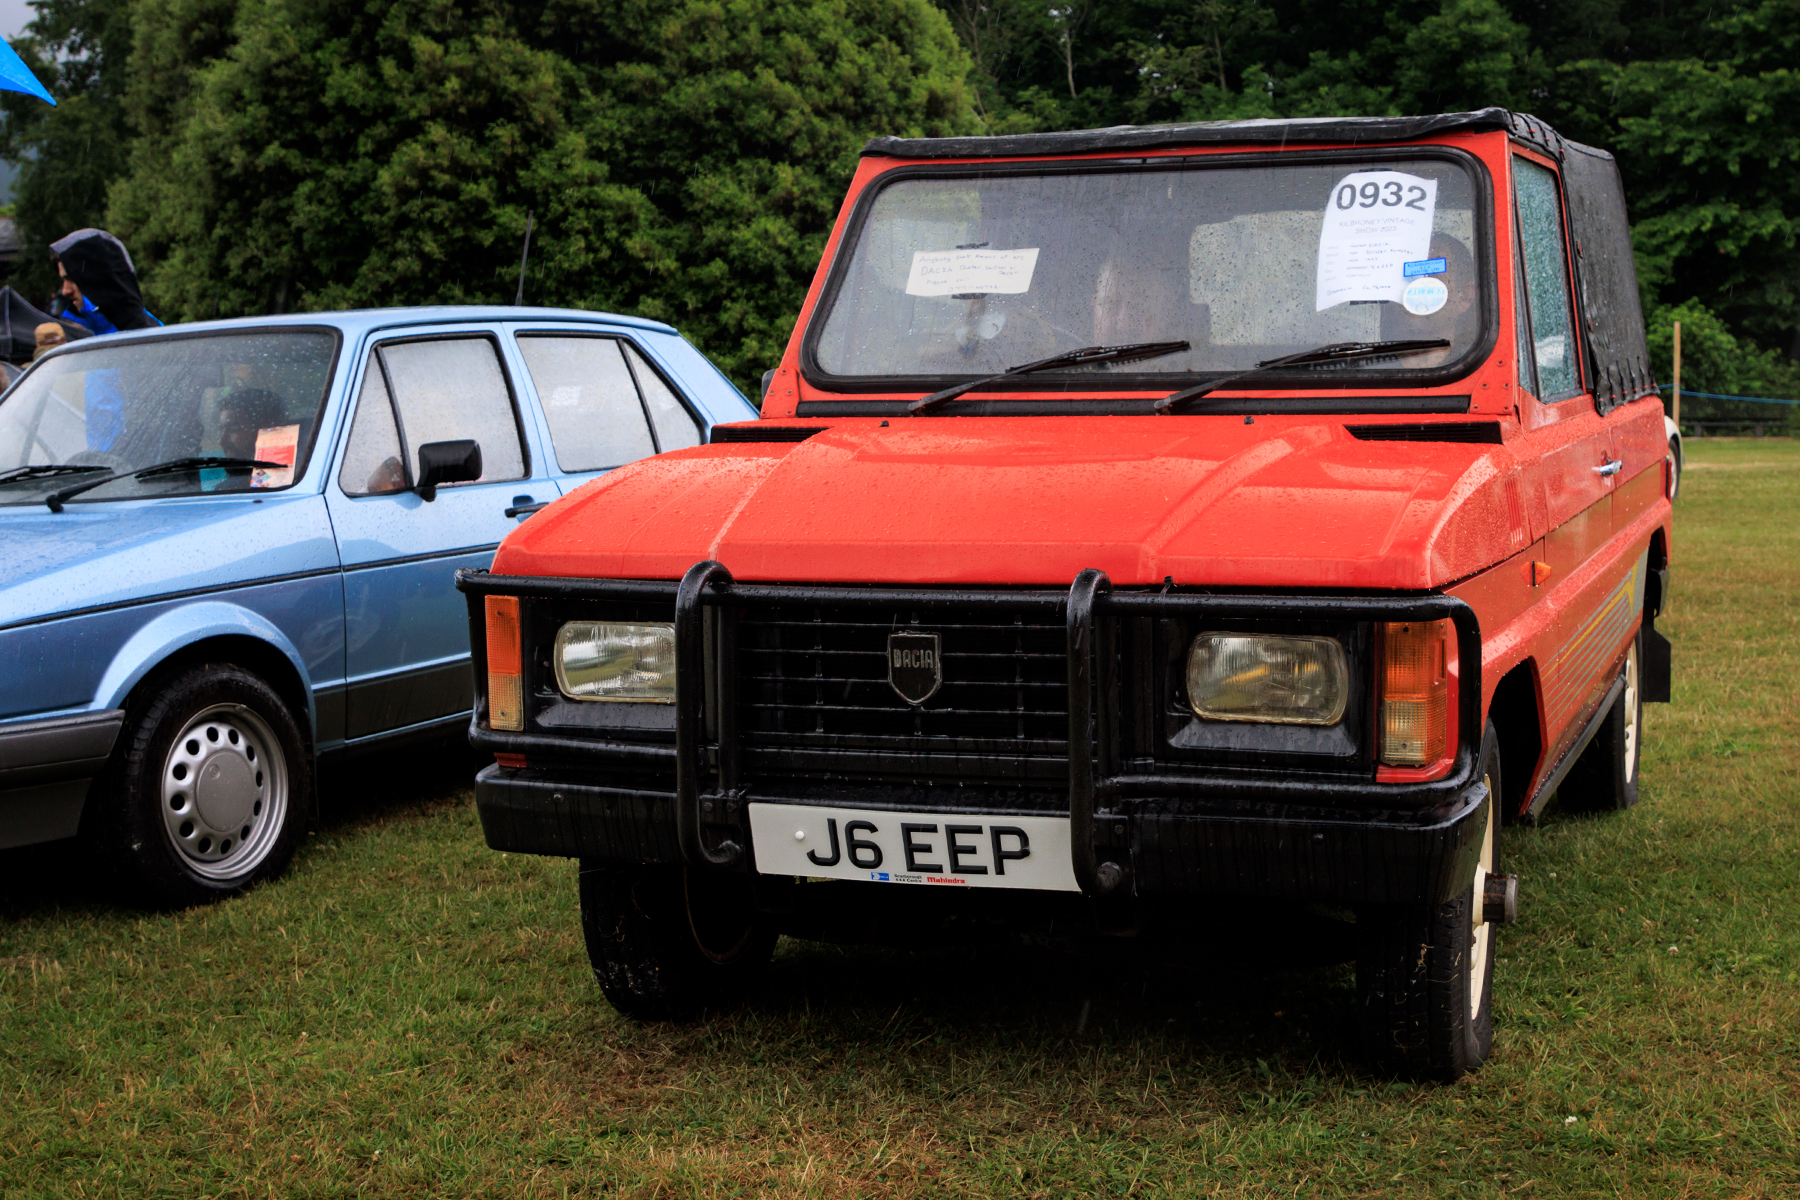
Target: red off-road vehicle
1142, 521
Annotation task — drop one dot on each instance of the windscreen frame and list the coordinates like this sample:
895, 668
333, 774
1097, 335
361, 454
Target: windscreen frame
1112, 382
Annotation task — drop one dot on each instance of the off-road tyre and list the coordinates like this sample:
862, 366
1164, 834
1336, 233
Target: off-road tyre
1425, 974
672, 942
1605, 777
209, 790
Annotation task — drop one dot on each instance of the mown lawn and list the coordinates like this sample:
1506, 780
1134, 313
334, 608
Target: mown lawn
409, 1013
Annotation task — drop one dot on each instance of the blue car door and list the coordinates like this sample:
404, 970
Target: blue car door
406, 626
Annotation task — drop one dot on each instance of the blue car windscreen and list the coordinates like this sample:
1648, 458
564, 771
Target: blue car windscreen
121, 406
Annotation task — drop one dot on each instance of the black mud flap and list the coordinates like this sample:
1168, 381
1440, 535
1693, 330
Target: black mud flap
1657, 668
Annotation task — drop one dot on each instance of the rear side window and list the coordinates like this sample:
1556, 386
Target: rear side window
604, 403
1547, 281
590, 401
415, 393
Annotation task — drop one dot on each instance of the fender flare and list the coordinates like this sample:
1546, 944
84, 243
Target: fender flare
173, 631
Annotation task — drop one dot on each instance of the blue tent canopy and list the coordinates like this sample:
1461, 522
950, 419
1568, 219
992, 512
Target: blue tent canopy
15, 76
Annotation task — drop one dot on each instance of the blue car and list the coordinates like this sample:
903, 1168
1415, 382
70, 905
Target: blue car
228, 550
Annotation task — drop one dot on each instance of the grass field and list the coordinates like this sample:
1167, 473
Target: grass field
411, 1014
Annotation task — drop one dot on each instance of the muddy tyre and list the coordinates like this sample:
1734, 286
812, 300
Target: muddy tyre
672, 942
1605, 777
1424, 974
209, 791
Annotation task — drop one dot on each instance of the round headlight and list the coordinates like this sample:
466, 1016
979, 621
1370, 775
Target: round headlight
1267, 677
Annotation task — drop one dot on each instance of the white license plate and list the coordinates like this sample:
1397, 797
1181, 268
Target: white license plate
954, 849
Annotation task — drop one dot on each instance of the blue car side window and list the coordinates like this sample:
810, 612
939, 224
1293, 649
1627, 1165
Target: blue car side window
373, 464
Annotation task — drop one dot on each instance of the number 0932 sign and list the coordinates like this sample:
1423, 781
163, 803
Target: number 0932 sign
1375, 223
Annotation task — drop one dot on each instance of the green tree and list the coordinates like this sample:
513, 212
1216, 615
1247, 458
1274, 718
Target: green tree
684, 160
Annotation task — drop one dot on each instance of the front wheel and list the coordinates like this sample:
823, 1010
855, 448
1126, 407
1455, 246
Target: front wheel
209, 793
668, 941
1424, 974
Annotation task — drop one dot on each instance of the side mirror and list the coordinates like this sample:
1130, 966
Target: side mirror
447, 462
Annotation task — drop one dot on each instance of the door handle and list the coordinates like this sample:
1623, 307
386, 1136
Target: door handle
525, 509
1611, 468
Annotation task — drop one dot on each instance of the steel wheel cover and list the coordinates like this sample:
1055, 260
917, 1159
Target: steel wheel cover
1483, 932
1633, 711
224, 792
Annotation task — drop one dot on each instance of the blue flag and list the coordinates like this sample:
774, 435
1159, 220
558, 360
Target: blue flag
15, 76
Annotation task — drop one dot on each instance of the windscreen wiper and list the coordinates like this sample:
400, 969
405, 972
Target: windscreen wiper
195, 463
46, 470
1068, 358
1335, 352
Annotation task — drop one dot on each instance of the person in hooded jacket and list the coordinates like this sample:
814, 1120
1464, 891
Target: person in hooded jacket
99, 282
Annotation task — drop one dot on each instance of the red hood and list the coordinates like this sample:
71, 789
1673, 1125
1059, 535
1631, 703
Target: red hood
1288, 501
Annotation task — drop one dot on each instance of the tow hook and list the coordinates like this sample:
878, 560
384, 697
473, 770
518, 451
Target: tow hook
1500, 899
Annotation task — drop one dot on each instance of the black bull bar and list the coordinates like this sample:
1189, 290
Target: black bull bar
1095, 780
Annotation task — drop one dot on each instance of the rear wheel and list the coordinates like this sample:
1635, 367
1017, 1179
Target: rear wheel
1424, 973
209, 793
668, 942
1605, 777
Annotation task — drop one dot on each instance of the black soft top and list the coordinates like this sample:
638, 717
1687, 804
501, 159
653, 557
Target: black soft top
1598, 223
1263, 131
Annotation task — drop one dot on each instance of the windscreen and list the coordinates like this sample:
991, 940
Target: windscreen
974, 275
120, 406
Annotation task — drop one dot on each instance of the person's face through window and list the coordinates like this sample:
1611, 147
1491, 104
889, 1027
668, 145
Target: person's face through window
238, 428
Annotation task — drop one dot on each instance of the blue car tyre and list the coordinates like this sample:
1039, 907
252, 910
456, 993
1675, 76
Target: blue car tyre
210, 790
666, 942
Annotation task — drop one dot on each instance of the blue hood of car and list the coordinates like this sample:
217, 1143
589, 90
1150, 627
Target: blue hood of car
120, 552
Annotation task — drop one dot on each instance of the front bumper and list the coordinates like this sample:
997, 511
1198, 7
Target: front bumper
46, 767
1193, 832
1171, 848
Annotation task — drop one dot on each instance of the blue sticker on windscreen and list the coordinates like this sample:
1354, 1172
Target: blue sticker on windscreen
1429, 266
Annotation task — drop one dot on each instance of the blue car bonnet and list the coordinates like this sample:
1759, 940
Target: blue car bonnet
92, 555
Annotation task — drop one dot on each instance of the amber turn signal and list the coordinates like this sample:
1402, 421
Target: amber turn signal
1534, 572
506, 693
1415, 693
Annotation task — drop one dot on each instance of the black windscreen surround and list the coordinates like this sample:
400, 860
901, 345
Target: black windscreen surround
1607, 275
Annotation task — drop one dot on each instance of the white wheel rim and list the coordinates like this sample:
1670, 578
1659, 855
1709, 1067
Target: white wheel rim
224, 793
1483, 931
1632, 711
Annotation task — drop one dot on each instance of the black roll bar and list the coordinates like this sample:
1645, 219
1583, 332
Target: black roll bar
690, 709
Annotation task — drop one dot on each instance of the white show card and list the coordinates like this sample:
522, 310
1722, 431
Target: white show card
276, 444
959, 272
1375, 223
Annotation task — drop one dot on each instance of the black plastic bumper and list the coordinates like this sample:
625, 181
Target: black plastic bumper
1174, 848
46, 767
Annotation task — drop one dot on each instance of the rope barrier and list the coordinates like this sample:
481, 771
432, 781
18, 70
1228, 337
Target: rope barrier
1716, 396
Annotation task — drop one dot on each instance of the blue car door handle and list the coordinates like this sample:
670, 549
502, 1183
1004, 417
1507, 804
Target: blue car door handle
524, 506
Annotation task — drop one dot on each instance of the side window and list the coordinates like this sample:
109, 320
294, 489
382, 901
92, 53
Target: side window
589, 400
1547, 281
372, 461
1522, 311
451, 389
675, 428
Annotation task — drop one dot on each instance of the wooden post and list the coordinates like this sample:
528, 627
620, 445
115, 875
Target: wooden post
1676, 415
